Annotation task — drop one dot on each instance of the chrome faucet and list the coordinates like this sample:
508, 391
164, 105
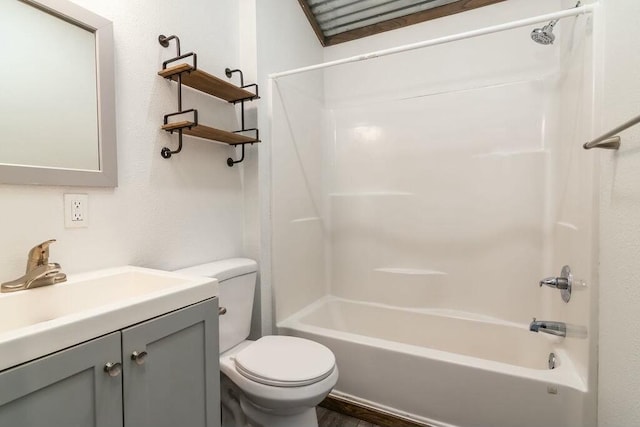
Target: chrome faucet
40, 272
554, 328
564, 283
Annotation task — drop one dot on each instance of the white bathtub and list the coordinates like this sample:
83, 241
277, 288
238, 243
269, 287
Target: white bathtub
445, 369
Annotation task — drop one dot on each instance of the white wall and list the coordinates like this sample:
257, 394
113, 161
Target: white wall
285, 40
165, 213
275, 37
619, 361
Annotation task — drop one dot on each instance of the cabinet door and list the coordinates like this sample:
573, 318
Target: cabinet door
69, 388
177, 381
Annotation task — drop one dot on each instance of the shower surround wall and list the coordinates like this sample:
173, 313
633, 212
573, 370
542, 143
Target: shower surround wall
449, 179
437, 200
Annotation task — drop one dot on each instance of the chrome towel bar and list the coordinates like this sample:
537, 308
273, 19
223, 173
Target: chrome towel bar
610, 140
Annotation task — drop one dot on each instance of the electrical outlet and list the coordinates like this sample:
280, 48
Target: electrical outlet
76, 210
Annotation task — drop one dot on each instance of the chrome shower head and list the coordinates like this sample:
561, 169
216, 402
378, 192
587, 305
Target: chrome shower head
545, 34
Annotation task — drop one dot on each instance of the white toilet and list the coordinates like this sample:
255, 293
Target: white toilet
275, 381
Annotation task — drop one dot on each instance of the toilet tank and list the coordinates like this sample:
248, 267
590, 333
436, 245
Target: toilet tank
237, 282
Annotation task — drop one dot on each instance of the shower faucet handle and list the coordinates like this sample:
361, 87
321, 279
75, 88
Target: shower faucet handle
563, 282
556, 282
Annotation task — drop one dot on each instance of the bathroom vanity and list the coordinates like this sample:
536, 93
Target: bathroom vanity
137, 347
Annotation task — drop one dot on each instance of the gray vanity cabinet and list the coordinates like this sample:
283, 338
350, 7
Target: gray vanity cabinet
169, 378
68, 388
171, 370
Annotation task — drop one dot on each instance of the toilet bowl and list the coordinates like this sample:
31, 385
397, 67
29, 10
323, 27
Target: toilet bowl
279, 380
275, 381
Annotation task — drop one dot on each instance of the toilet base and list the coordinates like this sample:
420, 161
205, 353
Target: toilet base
257, 417
238, 411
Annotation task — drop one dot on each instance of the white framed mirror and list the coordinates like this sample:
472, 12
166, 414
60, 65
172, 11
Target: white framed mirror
57, 109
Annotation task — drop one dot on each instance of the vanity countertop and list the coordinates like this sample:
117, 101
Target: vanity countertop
40, 321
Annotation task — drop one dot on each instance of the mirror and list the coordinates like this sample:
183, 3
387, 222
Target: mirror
57, 110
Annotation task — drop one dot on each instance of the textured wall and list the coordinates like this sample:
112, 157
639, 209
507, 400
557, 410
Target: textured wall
619, 370
285, 40
165, 213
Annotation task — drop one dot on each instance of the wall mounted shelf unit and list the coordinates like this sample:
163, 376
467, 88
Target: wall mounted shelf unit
189, 75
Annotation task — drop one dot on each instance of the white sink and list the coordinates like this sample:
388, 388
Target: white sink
39, 321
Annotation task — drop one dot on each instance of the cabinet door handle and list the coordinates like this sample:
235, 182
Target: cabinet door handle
139, 357
113, 369
222, 311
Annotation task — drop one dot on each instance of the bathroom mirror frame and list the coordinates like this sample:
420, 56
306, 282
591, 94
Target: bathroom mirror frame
107, 174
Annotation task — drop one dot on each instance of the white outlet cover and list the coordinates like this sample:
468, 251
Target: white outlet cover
76, 210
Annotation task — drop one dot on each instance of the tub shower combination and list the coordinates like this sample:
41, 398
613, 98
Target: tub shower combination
413, 226
441, 366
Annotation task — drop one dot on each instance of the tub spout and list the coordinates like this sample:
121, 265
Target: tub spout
554, 328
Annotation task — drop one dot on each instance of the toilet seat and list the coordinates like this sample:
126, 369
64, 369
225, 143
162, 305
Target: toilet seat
283, 361
278, 399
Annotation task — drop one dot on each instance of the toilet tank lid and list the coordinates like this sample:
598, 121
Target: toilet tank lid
223, 269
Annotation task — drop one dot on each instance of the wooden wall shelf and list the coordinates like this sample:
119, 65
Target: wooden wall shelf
210, 133
205, 82
189, 75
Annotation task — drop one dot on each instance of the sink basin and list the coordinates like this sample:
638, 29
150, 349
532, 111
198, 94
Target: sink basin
40, 321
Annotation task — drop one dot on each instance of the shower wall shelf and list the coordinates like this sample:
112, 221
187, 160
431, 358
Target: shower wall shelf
189, 75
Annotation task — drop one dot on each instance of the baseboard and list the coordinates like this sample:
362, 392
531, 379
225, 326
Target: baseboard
366, 413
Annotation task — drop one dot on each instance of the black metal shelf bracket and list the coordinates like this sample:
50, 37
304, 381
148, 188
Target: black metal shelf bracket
230, 161
166, 152
164, 41
229, 73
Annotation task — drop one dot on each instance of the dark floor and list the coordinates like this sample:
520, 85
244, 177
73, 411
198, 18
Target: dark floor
328, 418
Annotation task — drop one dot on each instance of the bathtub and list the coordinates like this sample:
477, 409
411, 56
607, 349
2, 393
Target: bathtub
446, 368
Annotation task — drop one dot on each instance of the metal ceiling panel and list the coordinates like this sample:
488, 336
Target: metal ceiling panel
336, 21
338, 16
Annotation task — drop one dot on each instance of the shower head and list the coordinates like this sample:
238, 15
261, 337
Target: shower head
545, 34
